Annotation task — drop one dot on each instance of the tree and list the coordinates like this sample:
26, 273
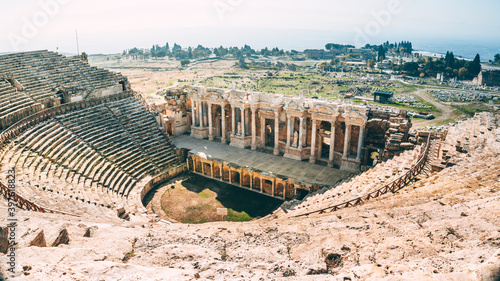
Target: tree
449, 59
463, 72
475, 68
497, 58
176, 48
242, 64
323, 66
411, 68
381, 53
371, 63
185, 62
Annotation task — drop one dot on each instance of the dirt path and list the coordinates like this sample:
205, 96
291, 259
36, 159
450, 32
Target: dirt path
447, 111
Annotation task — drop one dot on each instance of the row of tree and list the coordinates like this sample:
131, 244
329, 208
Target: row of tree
179, 53
449, 66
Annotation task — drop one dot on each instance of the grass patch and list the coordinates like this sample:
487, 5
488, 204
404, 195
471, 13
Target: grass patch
204, 194
472, 108
409, 108
237, 216
445, 121
286, 82
195, 201
494, 101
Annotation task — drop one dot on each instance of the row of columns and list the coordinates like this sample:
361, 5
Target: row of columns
241, 120
199, 113
347, 139
240, 171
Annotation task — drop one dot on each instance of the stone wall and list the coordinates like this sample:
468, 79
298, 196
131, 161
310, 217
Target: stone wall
489, 78
388, 131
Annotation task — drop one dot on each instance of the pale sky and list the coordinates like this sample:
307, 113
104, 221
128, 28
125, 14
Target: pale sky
111, 26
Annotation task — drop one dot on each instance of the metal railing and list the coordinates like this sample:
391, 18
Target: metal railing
390, 187
26, 204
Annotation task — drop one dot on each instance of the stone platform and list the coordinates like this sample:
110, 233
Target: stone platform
303, 172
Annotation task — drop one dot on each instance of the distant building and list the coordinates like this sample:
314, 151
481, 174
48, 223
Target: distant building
319, 54
382, 96
489, 78
355, 63
365, 54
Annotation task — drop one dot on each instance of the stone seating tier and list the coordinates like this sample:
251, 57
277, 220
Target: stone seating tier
42, 74
96, 155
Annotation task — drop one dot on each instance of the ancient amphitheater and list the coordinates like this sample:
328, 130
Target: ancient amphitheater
80, 150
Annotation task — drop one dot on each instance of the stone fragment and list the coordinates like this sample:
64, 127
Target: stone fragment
63, 238
39, 240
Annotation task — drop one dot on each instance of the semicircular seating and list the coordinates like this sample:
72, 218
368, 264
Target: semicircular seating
97, 155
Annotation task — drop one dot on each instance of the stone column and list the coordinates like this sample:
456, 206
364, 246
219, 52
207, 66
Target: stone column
233, 118
276, 133
288, 132
304, 135
254, 130
312, 159
247, 121
205, 121
242, 121
241, 177
347, 139
193, 121
200, 114
301, 132
320, 146
361, 138
210, 131
274, 184
263, 130
332, 145
223, 135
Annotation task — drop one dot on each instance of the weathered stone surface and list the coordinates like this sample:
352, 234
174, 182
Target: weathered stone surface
407, 145
39, 240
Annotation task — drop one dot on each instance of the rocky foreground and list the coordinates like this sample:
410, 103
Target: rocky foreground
443, 227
